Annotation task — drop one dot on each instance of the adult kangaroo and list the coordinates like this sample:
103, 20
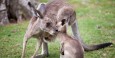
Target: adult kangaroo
62, 12
41, 28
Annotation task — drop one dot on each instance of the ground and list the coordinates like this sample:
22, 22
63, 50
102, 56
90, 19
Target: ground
96, 21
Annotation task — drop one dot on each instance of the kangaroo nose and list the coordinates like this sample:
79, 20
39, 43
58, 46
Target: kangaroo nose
56, 30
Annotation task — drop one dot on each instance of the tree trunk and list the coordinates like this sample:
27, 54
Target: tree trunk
18, 9
3, 13
15, 10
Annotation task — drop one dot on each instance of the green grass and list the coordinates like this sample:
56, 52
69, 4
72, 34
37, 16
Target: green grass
96, 21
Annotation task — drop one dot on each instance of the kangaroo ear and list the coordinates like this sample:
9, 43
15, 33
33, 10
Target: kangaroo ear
41, 7
38, 10
29, 3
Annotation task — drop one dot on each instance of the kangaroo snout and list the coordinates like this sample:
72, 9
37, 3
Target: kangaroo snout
56, 30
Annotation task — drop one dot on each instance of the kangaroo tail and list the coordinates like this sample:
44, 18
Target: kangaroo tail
87, 47
96, 47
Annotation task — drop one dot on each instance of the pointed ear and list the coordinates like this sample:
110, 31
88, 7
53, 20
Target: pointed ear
29, 3
41, 8
35, 10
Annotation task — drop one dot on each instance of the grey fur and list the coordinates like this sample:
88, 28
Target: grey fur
70, 48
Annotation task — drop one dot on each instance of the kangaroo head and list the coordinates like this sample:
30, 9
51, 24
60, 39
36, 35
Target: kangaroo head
65, 16
61, 25
40, 23
48, 26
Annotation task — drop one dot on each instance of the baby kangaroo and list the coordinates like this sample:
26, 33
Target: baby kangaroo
70, 48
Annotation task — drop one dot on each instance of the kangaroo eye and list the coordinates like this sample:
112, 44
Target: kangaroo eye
63, 22
48, 24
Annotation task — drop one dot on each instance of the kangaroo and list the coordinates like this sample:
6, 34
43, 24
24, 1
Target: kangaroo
38, 28
60, 11
70, 47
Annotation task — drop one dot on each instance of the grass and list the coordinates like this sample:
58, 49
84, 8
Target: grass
96, 21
